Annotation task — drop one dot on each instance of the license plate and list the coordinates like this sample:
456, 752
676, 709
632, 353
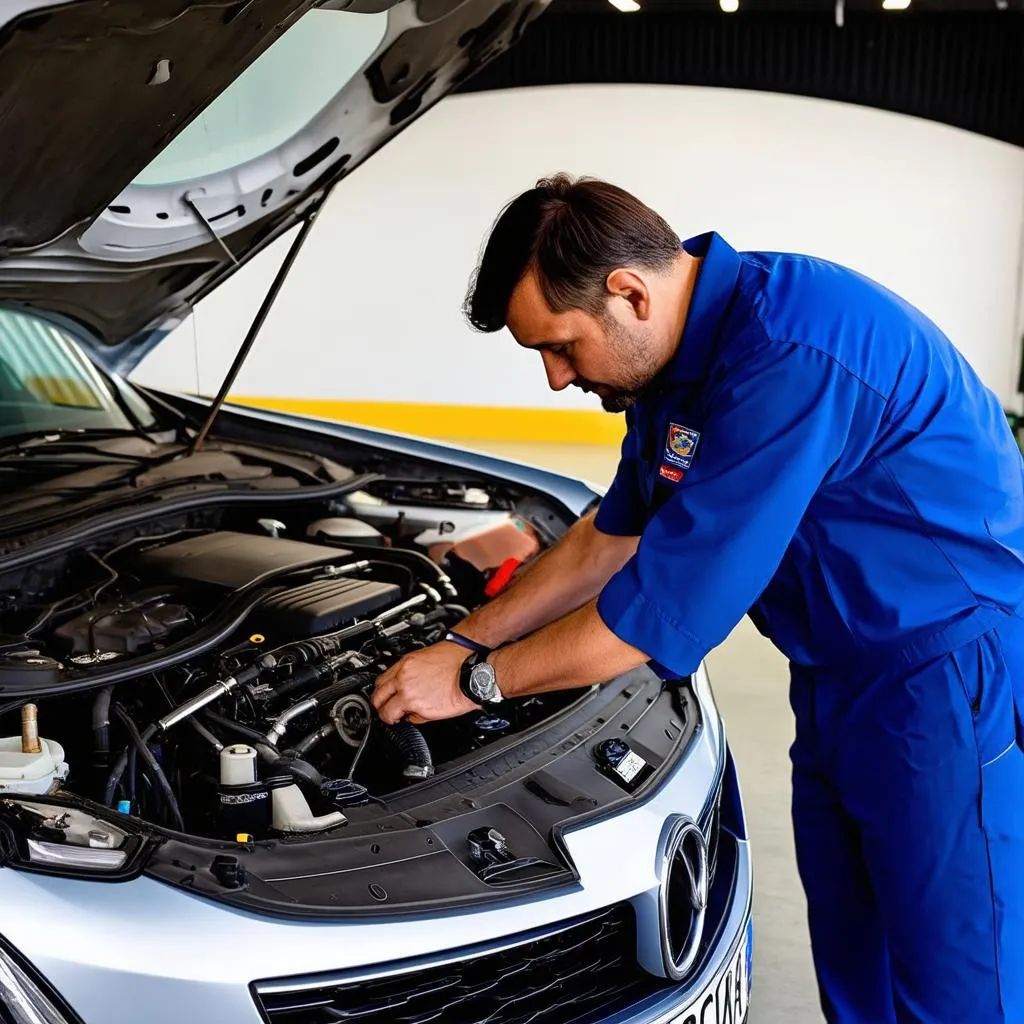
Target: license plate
724, 1001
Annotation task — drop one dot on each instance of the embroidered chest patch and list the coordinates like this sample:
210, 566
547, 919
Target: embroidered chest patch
680, 446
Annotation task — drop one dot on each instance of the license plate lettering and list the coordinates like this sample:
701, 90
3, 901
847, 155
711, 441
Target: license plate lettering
707, 1010
724, 1001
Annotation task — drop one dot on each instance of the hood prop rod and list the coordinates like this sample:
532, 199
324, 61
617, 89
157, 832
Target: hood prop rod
209, 228
254, 330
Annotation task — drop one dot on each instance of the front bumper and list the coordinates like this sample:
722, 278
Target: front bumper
583, 970
120, 952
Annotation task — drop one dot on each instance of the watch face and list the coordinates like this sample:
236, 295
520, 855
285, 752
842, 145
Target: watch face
482, 682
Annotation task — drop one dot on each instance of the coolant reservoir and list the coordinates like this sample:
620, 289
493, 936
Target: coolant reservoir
238, 765
35, 773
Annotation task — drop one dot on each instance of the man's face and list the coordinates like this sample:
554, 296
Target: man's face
613, 356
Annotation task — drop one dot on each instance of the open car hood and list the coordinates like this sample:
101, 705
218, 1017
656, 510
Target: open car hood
94, 94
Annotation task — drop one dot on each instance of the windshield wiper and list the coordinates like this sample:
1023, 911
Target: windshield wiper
68, 439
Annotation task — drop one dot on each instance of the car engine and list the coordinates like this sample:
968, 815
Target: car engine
213, 673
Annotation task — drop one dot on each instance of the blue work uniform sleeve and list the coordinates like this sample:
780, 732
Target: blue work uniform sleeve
622, 511
781, 422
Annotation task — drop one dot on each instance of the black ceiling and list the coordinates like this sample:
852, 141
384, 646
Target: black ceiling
960, 62
826, 8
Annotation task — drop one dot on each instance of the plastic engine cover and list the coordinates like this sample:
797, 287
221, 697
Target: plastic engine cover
125, 628
232, 560
323, 605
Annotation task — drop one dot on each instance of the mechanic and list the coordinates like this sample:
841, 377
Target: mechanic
804, 447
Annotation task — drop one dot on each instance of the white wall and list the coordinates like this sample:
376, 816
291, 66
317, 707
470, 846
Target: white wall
372, 310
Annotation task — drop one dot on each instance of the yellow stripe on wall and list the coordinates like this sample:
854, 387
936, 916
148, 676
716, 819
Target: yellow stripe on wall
459, 422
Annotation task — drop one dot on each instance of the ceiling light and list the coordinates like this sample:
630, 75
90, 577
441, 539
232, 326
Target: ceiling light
729, 6
625, 6
895, 5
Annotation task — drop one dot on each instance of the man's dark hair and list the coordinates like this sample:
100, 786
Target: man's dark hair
575, 231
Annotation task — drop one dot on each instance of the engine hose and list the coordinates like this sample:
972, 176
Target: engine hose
304, 676
345, 686
133, 760
409, 557
101, 726
236, 727
410, 742
154, 766
442, 614
307, 743
117, 772
206, 734
396, 567
316, 649
301, 771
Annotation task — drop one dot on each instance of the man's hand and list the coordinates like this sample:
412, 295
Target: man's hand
423, 686
576, 651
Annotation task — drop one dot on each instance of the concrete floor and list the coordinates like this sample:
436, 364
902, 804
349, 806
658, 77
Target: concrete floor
750, 681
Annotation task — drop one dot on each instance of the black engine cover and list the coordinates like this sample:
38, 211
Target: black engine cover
232, 560
323, 605
124, 627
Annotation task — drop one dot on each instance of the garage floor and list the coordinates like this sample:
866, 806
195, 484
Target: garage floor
750, 682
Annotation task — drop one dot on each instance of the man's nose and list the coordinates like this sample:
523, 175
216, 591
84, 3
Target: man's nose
560, 373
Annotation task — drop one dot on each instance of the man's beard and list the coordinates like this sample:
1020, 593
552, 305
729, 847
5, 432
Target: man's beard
619, 401
635, 352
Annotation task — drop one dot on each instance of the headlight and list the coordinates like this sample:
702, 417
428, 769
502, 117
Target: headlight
23, 999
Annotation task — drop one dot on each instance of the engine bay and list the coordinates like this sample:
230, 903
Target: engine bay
209, 673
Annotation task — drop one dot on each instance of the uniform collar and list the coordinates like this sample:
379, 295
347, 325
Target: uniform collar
712, 296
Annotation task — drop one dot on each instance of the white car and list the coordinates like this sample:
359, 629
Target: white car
201, 818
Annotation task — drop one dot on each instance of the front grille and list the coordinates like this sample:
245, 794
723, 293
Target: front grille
580, 974
710, 823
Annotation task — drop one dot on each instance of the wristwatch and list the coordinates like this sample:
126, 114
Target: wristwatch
478, 681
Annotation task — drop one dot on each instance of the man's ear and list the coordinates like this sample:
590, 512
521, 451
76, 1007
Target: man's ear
632, 288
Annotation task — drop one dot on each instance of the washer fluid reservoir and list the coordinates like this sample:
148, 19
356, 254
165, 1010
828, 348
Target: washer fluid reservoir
29, 763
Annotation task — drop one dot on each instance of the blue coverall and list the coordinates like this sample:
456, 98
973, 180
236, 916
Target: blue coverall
818, 455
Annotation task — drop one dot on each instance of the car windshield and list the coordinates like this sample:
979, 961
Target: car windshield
48, 383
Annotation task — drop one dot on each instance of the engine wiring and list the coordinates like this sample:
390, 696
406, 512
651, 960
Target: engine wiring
214, 680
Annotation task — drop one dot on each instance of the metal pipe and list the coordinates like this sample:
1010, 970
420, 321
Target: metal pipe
190, 707
401, 609
30, 730
281, 722
254, 330
212, 693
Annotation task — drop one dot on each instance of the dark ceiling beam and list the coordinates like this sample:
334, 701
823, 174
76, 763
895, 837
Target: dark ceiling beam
959, 68
823, 7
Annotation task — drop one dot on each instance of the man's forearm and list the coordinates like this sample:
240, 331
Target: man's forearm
578, 650
561, 580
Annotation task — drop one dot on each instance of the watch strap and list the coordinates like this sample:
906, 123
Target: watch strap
464, 641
